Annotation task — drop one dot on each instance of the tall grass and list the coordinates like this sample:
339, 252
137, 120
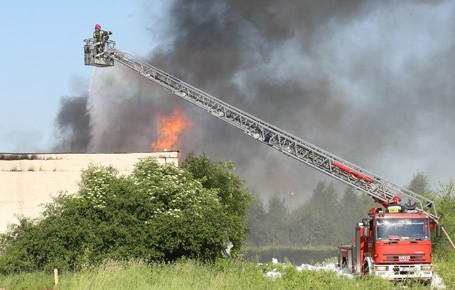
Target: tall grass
190, 275
180, 275
445, 266
35, 280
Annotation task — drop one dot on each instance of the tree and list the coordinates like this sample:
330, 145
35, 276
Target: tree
354, 208
444, 198
257, 231
277, 222
158, 213
232, 193
349, 206
319, 216
419, 184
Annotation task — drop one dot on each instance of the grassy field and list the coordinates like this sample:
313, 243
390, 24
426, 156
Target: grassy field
445, 267
193, 275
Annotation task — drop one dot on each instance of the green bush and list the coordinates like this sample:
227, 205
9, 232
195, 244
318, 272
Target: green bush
444, 252
158, 213
231, 191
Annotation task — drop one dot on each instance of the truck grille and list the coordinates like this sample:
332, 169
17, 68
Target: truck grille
404, 270
415, 258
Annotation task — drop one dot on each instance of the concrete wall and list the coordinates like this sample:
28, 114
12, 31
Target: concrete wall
29, 180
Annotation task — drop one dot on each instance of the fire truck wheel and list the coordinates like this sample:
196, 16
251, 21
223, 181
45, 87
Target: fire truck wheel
367, 267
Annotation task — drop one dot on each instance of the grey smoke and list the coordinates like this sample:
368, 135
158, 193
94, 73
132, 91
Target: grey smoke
73, 125
373, 82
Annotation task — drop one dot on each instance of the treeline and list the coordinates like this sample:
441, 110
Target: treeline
324, 219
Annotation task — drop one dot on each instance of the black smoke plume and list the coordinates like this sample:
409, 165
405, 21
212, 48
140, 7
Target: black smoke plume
373, 82
73, 125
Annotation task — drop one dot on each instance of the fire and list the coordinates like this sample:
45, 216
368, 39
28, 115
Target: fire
172, 129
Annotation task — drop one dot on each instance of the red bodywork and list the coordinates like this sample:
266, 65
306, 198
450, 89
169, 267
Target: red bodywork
352, 171
391, 245
398, 250
403, 252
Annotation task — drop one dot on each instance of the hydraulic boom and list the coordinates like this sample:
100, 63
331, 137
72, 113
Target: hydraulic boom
377, 187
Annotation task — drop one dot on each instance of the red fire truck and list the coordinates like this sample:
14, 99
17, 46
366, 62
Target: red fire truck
391, 245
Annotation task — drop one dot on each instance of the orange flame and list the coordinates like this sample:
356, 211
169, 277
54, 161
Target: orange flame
172, 129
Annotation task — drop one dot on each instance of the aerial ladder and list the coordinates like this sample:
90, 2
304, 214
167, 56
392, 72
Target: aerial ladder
380, 189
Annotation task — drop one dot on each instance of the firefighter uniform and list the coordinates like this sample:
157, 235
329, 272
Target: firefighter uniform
100, 37
395, 208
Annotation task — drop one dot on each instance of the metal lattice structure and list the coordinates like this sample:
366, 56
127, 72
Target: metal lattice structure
378, 188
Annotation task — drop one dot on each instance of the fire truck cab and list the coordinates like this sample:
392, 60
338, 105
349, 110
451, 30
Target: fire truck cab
390, 245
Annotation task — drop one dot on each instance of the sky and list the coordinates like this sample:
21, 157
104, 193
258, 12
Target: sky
370, 81
42, 60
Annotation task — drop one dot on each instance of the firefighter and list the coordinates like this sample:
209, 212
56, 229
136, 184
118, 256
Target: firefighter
100, 37
395, 205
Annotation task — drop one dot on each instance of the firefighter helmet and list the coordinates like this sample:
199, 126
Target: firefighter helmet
97, 26
396, 198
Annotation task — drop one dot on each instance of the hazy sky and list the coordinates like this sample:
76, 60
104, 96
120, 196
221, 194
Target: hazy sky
370, 81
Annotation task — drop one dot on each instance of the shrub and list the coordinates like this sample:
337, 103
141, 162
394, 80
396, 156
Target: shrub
158, 213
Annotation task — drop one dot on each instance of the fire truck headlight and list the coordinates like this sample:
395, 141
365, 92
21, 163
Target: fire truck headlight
381, 268
426, 267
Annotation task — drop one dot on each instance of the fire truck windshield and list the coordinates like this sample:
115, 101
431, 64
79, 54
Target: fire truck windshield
402, 229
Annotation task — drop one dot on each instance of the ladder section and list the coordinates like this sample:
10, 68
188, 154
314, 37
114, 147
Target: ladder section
375, 186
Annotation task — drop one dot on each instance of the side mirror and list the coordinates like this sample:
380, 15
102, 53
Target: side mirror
438, 230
